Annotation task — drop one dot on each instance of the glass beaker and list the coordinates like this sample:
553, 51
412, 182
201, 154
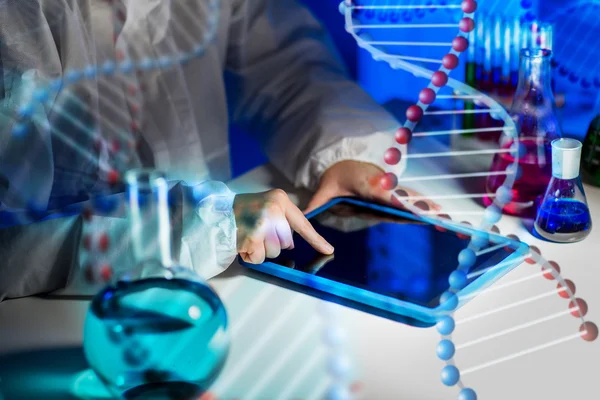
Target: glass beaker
563, 215
590, 160
159, 331
527, 155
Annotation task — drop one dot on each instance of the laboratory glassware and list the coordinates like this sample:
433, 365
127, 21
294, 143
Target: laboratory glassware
159, 331
563, 215
528, 157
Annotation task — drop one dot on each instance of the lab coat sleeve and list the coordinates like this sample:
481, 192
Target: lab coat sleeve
208, 242
289, 89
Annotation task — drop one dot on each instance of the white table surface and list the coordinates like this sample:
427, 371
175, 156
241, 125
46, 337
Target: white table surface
277, 346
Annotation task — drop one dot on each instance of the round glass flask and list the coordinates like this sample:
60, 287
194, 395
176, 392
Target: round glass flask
528, 157
158, 332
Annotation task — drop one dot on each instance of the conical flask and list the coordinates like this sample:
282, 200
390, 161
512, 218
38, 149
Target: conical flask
563, 215
159, 331
590, 160
528, 156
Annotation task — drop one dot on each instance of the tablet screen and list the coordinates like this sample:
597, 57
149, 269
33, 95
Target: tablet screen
394, 256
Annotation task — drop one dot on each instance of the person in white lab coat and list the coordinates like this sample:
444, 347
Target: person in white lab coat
270, 67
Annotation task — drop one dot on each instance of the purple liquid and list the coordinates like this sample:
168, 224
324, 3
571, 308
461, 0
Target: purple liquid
536, 167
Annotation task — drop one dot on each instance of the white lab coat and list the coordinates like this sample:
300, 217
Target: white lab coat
270, 68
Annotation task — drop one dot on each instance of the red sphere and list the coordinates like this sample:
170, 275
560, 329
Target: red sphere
535, 250
582, 308
427, 96
87, 214
469, 6
495, 229
450, 61
547, 270
397, 198
439, 79
115, 146
392, 156
103, 242
589, 331
466, 24
443, 216
563, 293
460, 44
414, 113
113, 177
403, 135
389, 181
461, 235
87, 242
106, 272
509, 247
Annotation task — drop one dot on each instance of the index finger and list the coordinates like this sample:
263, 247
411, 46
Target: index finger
300, 224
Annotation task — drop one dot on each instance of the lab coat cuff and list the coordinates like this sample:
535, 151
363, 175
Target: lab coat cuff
209, 243
368, 149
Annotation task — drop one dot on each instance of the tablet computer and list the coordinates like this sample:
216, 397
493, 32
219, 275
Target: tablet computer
390, 262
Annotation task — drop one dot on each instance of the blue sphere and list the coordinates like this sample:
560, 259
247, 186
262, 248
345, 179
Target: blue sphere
516, 170
147, 64
126, 66
457, 280
41, 95
73, 76
19, 129
449, 301
108, 68
166, 62
450, 375
573, 78
467, 258
585, 84
445, 326
334, 336
90, 71
492, 214
342, 8
106, 204
504, 194
518, 149
26, 111
526, 4
467, 394
338, 392
480, 239
529, 16
339, 366
445, 350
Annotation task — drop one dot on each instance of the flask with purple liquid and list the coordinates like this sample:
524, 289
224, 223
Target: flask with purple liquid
529, 156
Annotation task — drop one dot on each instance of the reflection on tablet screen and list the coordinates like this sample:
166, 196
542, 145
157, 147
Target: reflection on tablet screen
394, 256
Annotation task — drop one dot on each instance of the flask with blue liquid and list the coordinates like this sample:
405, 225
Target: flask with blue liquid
563, 215
158, 332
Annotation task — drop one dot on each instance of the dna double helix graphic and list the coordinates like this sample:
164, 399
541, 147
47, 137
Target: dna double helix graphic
375, 25
380, 38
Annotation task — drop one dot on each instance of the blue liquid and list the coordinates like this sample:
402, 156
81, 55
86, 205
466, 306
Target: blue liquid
563, 220
157, 338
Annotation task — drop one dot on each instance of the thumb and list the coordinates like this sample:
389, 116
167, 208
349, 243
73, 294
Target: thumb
321, 197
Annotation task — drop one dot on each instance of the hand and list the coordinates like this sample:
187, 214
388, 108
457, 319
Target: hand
358, 179
265, 222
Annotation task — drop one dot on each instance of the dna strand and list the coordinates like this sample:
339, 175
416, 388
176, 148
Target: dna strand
380, 38
574, 58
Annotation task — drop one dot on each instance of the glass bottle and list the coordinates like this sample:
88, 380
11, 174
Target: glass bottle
590, 160
563, 215
159, 331
526, 155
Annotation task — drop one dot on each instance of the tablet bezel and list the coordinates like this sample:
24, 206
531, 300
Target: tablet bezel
389, 304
